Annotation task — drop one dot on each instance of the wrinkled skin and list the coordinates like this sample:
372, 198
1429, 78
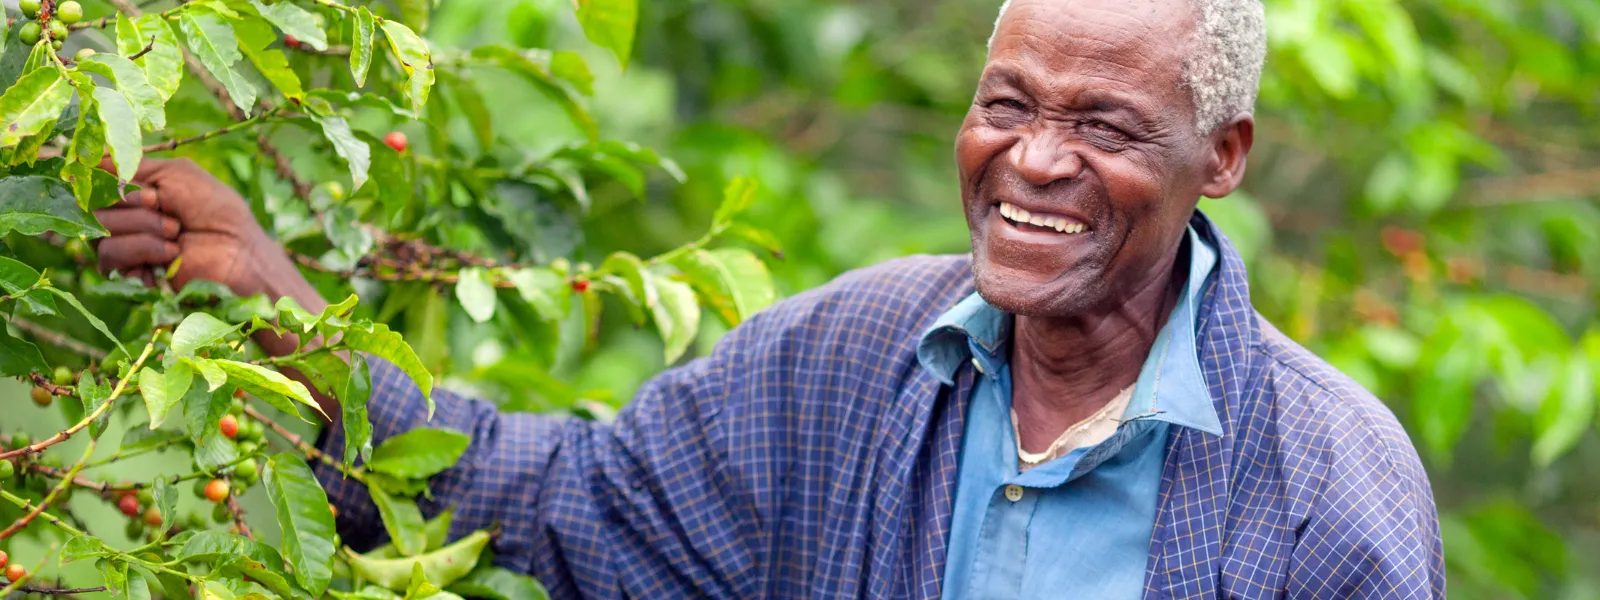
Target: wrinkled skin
1081, 113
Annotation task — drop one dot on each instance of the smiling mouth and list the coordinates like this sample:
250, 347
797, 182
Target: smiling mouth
1040, 222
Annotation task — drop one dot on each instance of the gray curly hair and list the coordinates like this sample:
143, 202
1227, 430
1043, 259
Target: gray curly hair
1223, 74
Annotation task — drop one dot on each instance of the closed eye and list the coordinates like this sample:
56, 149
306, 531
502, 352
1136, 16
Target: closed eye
1008, 104
1110, 131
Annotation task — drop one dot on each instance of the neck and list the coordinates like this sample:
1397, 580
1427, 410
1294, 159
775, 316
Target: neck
1064, 369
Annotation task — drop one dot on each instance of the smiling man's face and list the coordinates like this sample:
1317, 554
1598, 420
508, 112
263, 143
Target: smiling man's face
1079, 158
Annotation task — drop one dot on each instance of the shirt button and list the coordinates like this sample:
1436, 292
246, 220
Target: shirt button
1013, 492
977, 365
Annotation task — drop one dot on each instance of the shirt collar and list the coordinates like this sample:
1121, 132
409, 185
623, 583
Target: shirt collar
1171, 386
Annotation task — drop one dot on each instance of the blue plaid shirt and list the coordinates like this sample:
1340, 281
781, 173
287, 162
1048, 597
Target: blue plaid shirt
1076, 526
810, 456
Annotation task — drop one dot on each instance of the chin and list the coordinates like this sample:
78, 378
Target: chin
1030, 293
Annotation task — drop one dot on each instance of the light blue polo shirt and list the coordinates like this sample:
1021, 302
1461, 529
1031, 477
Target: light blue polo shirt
1081, 527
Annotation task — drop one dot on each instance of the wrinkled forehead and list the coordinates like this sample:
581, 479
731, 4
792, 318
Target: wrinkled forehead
1095, 36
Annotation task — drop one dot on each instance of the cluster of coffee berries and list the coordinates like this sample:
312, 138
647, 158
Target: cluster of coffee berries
51, 19
139, 506
42, 396
13, 572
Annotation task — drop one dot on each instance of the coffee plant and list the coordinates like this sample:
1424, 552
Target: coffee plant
304, 107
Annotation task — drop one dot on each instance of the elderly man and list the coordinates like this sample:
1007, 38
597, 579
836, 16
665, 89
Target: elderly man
1086, 407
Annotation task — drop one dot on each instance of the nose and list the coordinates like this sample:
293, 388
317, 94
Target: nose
1045, 157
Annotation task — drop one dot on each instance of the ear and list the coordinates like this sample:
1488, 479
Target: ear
1229, 145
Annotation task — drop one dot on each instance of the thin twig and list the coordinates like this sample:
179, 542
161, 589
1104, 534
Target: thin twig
51, 497
58, 591
238, 512
300, 444
174, 143
116, 392
147, 48
58, 339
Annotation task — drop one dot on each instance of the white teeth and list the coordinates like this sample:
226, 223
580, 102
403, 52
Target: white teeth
1060, 224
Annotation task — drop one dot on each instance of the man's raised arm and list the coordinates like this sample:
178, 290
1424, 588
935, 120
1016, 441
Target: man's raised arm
583, 506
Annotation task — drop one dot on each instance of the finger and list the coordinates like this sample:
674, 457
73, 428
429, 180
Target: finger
147, 168
127, 221
145, 197
125, 252
142, 274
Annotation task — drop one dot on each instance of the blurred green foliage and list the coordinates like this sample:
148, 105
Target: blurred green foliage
1420, 208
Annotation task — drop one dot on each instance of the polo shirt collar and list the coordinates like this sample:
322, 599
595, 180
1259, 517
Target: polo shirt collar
1171, 387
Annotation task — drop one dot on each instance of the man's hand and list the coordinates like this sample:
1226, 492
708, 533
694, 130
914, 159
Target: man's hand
182, 211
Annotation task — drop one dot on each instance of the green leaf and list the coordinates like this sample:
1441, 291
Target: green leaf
134, 85
476, 294
361, 46
353, 397
140, 439
138, 587
303, 515
541, 288
212, 373
378, 340
640, 154
81, 547
499, 583
677, 316
759, 237
19, 358
1567, 412
162, 391
533, 73
199, 330
254, 39
473, 107
294, 21
419, 453
739, 194
731, 280
269, 385
354, 152
93, 394
414, 60
569, 67
402, 520
122, 131
212, 40
631, 269
15, 275
415, 12
201, 411
87, 316
165, 500
84, 151
32, 205
610, 24
32, 104
163, 64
